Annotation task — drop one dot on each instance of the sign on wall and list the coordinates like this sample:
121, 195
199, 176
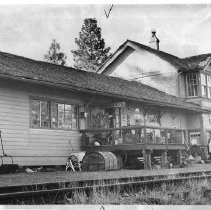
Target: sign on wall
114, 105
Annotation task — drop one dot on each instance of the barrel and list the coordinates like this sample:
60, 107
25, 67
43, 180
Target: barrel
101, 161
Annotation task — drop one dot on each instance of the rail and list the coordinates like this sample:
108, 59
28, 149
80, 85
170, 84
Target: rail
134, 135
123, 183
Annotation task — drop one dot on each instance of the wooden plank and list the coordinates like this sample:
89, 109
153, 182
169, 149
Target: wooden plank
61, 144
114, 147
30, 152
39, 161
14, 110
127, 128
8, 116
14, 101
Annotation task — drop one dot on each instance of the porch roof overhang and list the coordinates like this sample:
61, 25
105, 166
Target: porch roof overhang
55, 76
189, 106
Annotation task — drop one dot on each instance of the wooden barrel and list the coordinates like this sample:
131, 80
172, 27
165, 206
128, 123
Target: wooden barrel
101, 161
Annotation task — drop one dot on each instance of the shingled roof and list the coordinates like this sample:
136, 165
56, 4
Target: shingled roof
197, 62
28, 70
174, 60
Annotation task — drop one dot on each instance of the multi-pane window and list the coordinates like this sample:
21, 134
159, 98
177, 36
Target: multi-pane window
203, 86
40, 113
47, 114
192, 85
209, 86
64, 116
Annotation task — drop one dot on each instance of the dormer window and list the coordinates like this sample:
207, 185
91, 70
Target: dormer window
192, 84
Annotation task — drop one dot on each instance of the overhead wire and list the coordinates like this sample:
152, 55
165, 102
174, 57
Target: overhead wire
153, 75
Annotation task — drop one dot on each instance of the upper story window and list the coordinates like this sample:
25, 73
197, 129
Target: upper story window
209, 86
192, 84
48, 114
203, 85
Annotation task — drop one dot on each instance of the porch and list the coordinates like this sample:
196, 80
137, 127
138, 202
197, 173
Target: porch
133, 138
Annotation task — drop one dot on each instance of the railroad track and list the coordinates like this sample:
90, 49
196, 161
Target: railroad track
14, 193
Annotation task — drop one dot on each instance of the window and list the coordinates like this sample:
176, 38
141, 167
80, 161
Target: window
47, 114
192, 85
204, 90
203, 86
64, 116
209, 86
40, 114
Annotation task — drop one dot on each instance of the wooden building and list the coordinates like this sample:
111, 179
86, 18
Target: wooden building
187, 78
48, 111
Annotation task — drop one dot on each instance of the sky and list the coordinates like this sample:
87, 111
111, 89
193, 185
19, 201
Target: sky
27, 30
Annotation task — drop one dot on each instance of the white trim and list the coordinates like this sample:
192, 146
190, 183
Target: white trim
208, 63
116, 54
113, 58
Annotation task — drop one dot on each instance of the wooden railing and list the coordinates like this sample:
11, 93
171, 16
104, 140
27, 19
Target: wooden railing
133, 135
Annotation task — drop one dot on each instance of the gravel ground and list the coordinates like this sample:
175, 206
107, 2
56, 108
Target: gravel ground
62, 176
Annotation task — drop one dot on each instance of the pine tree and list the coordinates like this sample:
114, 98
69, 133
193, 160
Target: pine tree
54, 55
91, 52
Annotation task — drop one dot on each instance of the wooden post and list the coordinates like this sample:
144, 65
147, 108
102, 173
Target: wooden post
145, 132
164, 159
179, 156
139, 135
147, 159
166, 140
112, 138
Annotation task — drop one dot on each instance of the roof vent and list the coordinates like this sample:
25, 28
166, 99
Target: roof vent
154, 42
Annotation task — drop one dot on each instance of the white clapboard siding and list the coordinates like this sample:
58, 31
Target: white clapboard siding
32, 146
31, 161
176, 119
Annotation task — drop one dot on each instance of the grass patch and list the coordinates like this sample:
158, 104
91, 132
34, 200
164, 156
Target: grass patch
186, 193
183, 193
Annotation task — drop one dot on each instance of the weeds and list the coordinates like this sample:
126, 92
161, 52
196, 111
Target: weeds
190, 193
184, 193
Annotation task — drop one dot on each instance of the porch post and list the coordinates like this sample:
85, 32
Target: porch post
145, 132
179, 156
147, 159
145, 162
164, 159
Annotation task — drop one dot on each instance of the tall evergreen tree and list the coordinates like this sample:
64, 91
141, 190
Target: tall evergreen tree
91, 52
54, 54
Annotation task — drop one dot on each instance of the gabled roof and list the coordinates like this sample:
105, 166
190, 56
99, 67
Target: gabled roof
197, 62
174, 60
37, 72
193, 63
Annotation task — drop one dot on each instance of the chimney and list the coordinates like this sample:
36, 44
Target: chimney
154, 42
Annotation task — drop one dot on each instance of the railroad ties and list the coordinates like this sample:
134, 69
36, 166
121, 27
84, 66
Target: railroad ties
16, 194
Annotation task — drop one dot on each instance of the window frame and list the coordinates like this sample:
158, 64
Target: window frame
50, 102
208, 85
197, 83
204, 86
